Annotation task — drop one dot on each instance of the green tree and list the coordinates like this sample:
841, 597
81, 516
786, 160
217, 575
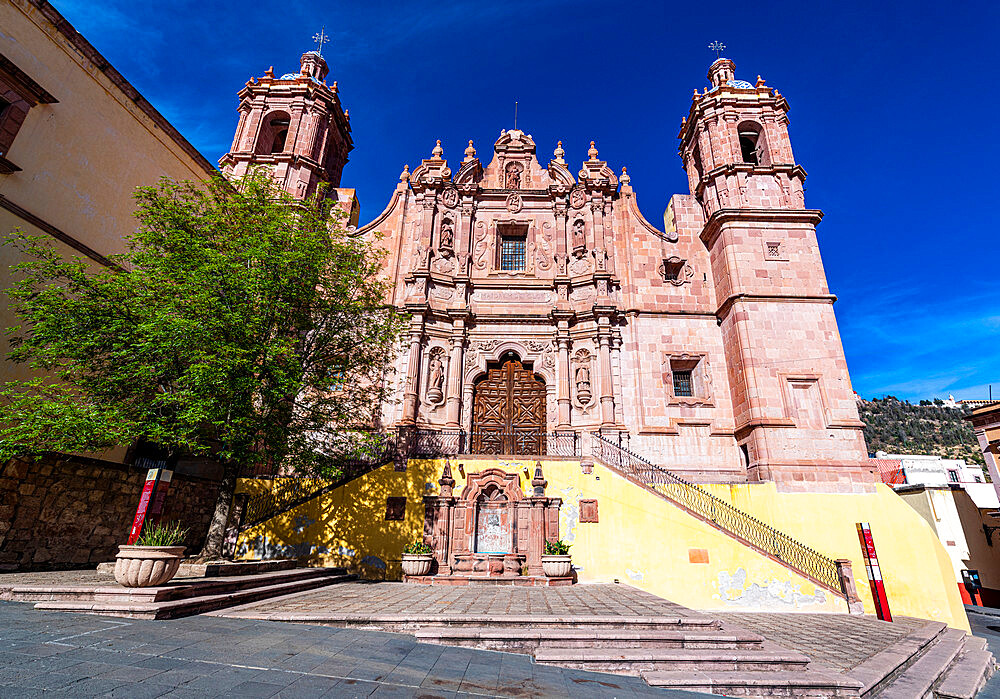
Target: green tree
240, 325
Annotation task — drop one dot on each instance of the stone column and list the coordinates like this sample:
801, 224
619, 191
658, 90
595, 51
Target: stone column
604, 359
453, 403
564, 378
413, 371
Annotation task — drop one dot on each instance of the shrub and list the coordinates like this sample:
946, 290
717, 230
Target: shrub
171, 534
418, 548
556, 548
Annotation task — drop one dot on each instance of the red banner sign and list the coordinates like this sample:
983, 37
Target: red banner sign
874, 571
154, 492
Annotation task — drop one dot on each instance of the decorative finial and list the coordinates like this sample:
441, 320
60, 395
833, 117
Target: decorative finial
334, 86
269, 72
624, 179
718, 47
539, 482
404, 176
515, 115
760, 82
347, 114
559, 153
321, 39
438, 150
470, 151
695, 95
592, 151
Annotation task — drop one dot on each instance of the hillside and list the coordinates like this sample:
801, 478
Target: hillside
900, 427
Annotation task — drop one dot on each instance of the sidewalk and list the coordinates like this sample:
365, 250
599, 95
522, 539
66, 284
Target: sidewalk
65, 654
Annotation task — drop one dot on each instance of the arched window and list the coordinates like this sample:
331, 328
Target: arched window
753, 149
273, 134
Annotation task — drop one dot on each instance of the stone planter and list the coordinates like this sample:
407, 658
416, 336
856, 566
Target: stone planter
557, 566
417, 564
147, 566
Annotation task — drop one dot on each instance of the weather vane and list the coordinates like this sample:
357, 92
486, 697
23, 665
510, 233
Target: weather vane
321, 39
718, 47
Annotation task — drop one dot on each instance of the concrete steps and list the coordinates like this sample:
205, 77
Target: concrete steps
180, 598
767, 657
529, 639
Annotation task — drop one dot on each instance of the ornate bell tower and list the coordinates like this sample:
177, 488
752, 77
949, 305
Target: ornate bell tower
295, 125
796, 419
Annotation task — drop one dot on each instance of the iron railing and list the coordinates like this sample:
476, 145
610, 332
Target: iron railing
730, 519
431, 443
287, 492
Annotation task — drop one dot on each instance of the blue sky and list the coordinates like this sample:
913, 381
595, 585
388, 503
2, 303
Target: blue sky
893, 105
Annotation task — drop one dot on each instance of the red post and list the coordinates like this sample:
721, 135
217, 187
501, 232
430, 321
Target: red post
154, 491
874, 572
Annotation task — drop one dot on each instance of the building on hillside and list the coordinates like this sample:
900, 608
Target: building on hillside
570, 368
76, 139
962, 518
931, 469
977, 403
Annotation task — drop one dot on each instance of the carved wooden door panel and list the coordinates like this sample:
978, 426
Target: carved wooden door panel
509, 412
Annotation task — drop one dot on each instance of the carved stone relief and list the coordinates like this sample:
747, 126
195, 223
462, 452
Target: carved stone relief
577, 197
543, 259
443, 293
676, 271
480, 247
435, 376
514, 203
449, 197
579, 237
446, 239
512, 175
581, 265
443, 265
581, 372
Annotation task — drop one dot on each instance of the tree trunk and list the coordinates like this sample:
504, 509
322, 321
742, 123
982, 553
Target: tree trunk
216, 535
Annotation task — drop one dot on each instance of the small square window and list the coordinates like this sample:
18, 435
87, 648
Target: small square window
512, 253
774, 250
953, 476
682, 382
671, 269
395, 509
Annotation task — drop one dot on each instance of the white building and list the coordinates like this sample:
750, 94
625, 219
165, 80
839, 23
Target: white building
927, 469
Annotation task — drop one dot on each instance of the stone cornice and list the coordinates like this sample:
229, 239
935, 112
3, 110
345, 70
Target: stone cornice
722, 217
727, 305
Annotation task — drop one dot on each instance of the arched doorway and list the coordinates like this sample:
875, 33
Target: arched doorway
508, 415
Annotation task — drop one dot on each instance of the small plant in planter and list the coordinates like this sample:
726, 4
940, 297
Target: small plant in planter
153, 559
556, 561
417, 558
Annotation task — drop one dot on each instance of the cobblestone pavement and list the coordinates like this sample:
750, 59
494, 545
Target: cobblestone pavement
838, 641
401, 598
79, 655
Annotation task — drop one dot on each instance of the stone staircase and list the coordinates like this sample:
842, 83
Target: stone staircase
180, 597
698, 653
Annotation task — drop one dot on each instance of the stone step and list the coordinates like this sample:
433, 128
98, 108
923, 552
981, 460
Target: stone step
878, 671
135, 609
527, 639
408, 623
771, 683
918, 679
968, 673
175, 590
632, 660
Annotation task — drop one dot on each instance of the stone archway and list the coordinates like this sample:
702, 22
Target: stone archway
508, 414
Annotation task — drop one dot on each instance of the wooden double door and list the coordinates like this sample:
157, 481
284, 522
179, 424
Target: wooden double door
508, 415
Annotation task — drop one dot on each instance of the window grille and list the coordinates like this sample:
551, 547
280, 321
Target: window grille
953, 476
682, 383
512, 253
774, 249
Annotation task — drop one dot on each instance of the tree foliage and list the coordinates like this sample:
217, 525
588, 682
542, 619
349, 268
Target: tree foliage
929, 428
240, 324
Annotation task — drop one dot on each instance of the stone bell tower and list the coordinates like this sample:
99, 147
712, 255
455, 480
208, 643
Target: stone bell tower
796, 421
295, 125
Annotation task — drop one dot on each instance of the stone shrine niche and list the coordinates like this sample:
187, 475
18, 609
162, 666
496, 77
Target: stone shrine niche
435, 377
582, 371
512, 175
446, 238
579, 238
492, 529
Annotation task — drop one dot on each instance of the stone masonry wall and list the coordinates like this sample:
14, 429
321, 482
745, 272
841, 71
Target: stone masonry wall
73, 512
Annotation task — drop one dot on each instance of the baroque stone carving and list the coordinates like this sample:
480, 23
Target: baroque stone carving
443, 293
447, 237
676, 271
480, 247
514, 203
449, 197
579, 237
577, 197
582, 366
435, 376
512, 175
443, 265
581, 265
543, 259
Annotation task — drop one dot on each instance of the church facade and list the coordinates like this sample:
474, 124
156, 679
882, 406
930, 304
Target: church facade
544, 307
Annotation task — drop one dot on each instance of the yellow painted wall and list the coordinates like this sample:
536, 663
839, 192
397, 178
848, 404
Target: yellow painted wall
642, 539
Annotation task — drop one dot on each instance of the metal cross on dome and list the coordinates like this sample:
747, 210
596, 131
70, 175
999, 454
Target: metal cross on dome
320, 39
718, 47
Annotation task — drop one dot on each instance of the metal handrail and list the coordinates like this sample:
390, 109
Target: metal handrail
730, 519
430, 443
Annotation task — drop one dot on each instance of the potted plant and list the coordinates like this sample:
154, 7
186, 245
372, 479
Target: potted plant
417, 558
153, 559
556, 561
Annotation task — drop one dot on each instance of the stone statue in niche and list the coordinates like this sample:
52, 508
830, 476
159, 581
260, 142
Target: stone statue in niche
583, 392
512, 176
435, 378
579, 237
447, 235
